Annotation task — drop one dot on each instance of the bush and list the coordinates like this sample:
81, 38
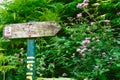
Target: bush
87, 47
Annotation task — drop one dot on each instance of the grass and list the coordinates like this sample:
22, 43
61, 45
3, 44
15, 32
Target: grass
55, 79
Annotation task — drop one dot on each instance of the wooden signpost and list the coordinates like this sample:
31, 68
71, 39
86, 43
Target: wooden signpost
30, 31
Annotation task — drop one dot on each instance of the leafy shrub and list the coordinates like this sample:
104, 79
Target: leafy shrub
86, 48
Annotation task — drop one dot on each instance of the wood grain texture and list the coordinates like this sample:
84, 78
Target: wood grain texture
31, 30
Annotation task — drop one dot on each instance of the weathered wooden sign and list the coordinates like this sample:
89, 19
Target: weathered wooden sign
31, 30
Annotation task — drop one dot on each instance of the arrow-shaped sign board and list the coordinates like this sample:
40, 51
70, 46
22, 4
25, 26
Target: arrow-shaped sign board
31, 30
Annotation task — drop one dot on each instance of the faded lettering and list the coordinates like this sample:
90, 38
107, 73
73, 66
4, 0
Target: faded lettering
7, 32
29, 73
29, 77
30, 66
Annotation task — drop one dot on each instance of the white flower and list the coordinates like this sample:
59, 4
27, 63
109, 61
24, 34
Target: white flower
87, 41
107, 21
96, 4
87, 38
16, 55
88, 28
93, 38
78, 50
82, 51
97, 37
96, 67
21, 60
84, 43
92, 23
21, 48
97, 40
86, 79
73, 54
85, 1
110, 58
118, 13
64, 74
103, 16
103, 53
83, 46
79, 5
89, 50
83, 55
93, 47
79, 15
82, 5
85, 5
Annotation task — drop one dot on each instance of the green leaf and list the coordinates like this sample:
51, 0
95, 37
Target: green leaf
118, 65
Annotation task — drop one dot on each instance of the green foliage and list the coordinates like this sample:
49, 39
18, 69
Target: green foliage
3, 67
87, 47
49, 16
22, 11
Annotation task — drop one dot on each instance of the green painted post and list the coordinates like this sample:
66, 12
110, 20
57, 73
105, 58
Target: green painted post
30, 75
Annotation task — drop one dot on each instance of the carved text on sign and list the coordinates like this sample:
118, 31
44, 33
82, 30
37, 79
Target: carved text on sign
8, 32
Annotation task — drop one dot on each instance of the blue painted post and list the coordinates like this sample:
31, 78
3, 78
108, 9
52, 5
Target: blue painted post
30, 75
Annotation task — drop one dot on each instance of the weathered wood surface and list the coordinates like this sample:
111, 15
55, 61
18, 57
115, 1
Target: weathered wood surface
31, 30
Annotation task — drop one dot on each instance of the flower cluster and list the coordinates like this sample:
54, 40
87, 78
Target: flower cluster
86, 41
83, 5
83, 47
84, 44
